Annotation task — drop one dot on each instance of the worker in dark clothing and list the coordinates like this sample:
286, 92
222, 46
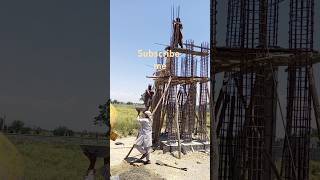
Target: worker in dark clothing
148, 97
177, 34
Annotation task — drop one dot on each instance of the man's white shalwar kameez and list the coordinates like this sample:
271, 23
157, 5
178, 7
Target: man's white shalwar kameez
144, 140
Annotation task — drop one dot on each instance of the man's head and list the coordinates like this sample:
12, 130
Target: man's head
148, 114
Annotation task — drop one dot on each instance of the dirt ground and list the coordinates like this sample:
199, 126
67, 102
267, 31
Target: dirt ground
198, 164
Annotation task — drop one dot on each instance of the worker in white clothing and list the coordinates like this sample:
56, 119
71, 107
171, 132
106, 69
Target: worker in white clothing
144, 140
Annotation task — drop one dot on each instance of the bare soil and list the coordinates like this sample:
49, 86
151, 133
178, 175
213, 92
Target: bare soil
198, 164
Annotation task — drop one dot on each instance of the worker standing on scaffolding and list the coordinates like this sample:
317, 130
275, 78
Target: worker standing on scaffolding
144, 140
148, 98
177, 34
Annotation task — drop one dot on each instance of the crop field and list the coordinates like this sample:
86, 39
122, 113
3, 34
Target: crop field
53, 160
126, 124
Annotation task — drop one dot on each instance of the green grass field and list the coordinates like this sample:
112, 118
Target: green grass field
54, 161
11, 161
314, 170
126, 124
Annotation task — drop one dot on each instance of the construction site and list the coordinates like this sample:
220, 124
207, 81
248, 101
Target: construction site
224, 100
244, 114
178, 87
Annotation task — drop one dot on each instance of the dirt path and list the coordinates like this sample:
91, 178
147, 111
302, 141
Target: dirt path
197, 163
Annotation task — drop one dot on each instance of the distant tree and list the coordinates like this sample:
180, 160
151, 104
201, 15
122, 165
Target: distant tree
129, 103
1, 124
115, 101
16, 126
69, 132
37, 130
104, 115
60, 131
84, 133
26, 130
5, 129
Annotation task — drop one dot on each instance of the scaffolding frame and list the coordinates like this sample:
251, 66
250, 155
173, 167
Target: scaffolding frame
244, 115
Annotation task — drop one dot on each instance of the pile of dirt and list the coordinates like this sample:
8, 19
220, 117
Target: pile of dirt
128, 172
139, 174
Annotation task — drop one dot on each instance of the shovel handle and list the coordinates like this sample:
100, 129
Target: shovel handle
184, 169
131, 149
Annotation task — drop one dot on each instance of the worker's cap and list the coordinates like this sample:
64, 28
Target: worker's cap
148, 113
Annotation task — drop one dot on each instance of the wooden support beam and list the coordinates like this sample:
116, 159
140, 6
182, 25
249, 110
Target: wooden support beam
227, 60
270, 114
221, 93
222, 114
177, 126
161, 101
187, 51
315, 100
179, 80
165, 91
221, 101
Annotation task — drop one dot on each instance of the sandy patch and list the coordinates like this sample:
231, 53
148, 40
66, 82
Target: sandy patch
198, 163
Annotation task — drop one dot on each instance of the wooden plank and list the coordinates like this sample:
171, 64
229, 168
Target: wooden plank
276, 62
315, 100
165, 91
177, 126
186, 51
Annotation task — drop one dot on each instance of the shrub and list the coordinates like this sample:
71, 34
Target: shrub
62, 131
126, 123
127, 126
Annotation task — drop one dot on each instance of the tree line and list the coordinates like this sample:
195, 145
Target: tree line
19, 127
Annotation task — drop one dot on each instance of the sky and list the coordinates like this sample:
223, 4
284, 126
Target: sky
53, 62
140, 24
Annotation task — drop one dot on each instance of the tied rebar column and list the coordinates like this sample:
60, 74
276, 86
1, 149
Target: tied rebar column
191, 70
156, 126
233, 24
171, 103
273, 22
248, 109
214, 157
295, 164
202, 113
183, 123
231, 116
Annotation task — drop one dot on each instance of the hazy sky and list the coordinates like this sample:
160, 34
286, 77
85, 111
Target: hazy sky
139, 24
53, 61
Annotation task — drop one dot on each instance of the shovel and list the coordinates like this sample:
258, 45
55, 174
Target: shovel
164, 164
138, 109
